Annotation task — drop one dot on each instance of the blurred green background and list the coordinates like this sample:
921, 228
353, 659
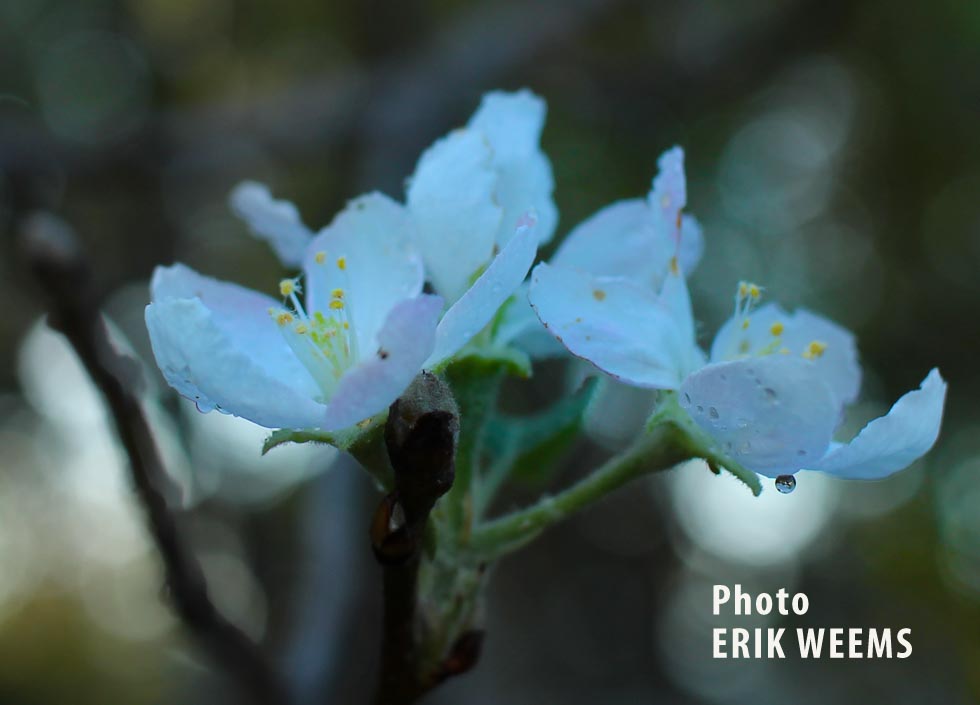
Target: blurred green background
833, 156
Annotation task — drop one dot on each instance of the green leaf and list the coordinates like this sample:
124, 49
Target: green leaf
533, 443
487, 359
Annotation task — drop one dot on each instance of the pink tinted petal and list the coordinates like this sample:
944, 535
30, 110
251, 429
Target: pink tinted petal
402, 346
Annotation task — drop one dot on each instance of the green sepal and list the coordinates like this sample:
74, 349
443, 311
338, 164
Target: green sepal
365, 442
699, 442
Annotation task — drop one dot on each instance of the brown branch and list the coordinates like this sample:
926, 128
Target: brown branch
61, 268
421, 436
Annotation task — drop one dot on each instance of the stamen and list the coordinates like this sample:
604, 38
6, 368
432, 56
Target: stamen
814, 350
325, 341
776, 329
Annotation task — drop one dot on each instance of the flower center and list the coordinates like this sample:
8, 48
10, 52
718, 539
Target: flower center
747, 342
324, 341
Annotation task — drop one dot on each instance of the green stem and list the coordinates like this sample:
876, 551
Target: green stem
659, 449
671, 436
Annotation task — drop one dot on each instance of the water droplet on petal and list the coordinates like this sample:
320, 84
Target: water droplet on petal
785, 483
770, 393
687, 398
700, 409
712, 412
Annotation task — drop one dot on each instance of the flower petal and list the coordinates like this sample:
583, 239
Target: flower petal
669, 194
368, 253
402, 345
618, 241
451, 198
894, 441
623, 240
242, 316
838, 363
512, 123
519, 326
692, 244
771, 414
477, 307
277, 222
677, 300
203, 362
616, 324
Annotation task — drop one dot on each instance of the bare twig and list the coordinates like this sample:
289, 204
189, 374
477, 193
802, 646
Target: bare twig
421, 436
62, 270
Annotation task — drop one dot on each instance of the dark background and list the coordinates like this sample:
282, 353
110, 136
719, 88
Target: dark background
833, 156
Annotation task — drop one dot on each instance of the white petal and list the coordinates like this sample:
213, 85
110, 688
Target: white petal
894, 441
619, 326
618, 241
201, 360
519, 326
373, 236
403, 344
276, 222
771, 414
522, 187
451, 198
669, 194
838, 365
512, 123
676, 298
692, 244
477, 307
241, 315
624, 240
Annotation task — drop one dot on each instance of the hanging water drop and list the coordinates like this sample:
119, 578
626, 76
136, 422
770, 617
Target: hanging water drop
785, 483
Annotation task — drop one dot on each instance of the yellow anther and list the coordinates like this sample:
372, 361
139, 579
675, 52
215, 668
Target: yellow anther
814, 350
320, 257
336, 304
284, 318
776, 329
346, 325
674, 267
337, 293
745, 324
744, 347
301, 329
287, 287
341, 263
754, 291
743, 290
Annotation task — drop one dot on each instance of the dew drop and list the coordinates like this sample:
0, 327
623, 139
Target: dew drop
770, 393
687, 398
712, 412
700, 409
785, 483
